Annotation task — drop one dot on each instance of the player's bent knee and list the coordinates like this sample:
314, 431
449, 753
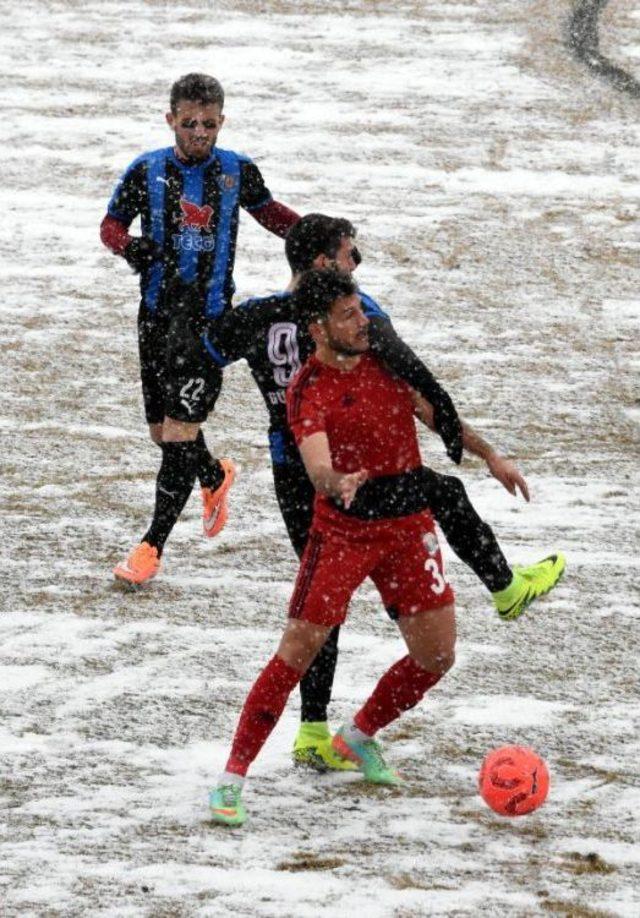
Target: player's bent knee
455, 489
179, 431
431, 638
155, 433
434, 661
444, 662
301, 643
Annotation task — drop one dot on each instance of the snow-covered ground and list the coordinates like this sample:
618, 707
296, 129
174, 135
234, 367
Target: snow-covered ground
495, 183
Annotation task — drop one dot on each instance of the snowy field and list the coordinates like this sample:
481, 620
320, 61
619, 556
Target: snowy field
496, 187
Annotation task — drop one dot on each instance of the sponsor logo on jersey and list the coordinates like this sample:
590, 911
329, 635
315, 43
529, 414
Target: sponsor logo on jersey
430, 542
192, 242
226, 181
195, 217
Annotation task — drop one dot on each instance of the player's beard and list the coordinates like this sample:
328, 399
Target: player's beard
348, 350
197, 155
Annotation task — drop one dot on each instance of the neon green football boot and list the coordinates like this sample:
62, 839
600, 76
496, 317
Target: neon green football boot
312, 749
368, 758
528, 584
225, 803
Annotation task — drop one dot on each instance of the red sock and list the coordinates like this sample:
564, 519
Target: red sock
401, 688
261, 712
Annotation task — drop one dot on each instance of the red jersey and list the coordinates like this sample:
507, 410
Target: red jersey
367, 415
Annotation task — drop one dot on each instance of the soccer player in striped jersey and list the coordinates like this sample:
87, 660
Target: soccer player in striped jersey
188, 197
353, 421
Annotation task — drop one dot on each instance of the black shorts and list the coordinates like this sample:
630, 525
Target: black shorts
295, 495
185, 390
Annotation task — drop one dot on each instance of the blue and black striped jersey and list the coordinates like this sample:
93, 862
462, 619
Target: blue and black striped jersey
191, 213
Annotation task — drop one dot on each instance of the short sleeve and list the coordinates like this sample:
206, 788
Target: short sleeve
253, 191
305, 411
128, 197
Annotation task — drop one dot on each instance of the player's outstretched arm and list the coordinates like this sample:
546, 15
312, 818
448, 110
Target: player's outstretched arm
401, 360
256, 199
317, 461
508, 475
500, 467
275, 217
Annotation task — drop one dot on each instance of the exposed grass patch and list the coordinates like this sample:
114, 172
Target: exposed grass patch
406, 731
569, 910
583, 770
407, 881
587, 863
307, 860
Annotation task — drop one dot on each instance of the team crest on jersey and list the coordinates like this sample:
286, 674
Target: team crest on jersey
195, 217
430, 542
226, 181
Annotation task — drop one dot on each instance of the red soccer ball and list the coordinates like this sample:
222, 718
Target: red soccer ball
513, 780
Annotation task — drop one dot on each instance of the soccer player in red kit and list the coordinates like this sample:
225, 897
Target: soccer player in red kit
352, 421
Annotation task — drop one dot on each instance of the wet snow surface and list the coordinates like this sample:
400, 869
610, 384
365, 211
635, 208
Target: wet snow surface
496, 188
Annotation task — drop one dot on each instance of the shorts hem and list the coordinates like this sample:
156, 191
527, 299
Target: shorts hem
432, 607
318, 620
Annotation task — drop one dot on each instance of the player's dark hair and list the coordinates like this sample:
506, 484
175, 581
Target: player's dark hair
317, 291
313, 235
196, 87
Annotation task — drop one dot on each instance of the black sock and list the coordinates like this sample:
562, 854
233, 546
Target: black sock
315, 687
208, 469
173, 487
470, 537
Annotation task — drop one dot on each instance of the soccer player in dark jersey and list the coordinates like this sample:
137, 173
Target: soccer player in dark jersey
353, 422
266, 333
188, 198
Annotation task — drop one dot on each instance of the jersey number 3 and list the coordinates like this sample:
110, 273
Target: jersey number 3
282, 347
439, 583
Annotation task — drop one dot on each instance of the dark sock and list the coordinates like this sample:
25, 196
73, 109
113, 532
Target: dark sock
173, 487
208, 470
470, 537
315, 688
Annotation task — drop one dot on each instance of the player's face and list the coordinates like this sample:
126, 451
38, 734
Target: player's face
346, 259
346, 327
196, 128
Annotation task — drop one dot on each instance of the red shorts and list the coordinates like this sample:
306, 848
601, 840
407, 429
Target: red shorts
402, 557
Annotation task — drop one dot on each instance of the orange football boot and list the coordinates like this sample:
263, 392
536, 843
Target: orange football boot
216, 508
142, 565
